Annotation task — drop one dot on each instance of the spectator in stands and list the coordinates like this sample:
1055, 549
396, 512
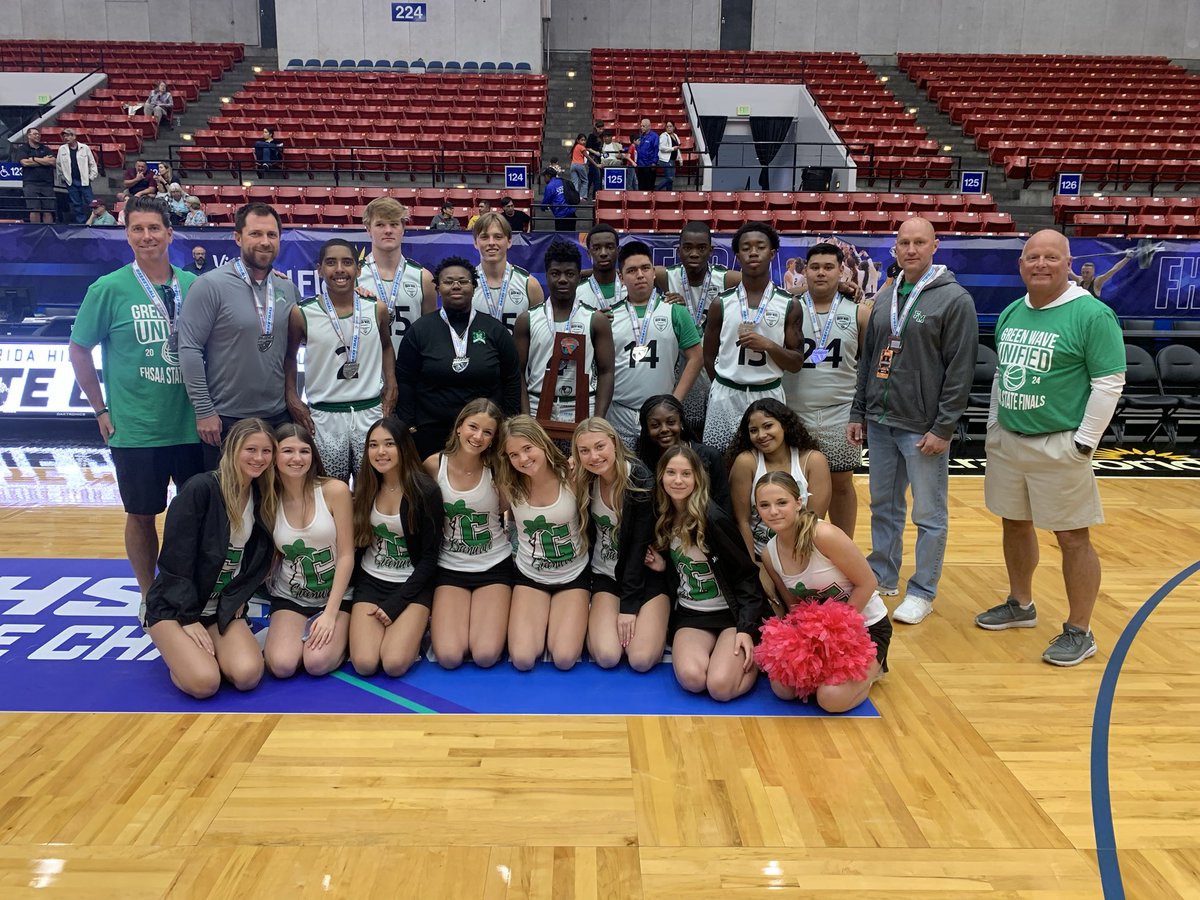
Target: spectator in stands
199, 264
646, 157
139, 180
668, 157
445, 220
232, 351
122, 199
595, 148
554, 199
914, 375
480, 208
517, 220
1041, 435
176, 203
579, 166
37, 176
100, 214
77, 169
143, 414
1093, 283
195, 217
159, 104
612, 153
164, 177
268, 153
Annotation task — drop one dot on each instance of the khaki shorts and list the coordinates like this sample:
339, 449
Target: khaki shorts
1041, 478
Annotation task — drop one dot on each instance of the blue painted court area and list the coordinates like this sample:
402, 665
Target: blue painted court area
70, 642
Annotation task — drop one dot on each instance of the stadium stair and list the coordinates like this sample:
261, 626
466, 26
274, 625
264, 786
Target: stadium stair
563, 123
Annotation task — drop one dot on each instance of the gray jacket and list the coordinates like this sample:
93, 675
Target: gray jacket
931, 375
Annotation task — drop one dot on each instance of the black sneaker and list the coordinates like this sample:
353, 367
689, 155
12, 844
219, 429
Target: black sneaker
1071, 647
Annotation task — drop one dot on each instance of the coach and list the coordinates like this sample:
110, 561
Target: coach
1061, 372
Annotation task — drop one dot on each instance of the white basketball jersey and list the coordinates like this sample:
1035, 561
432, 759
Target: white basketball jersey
587, 296
516, 297
408, 296
829, 383
542, 342
635, 380
326, 354
751, 367
703, 294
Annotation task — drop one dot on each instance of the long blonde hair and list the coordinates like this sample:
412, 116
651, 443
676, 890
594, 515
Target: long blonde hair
229, 474
584, 479
513, 485
688, 525
480, 406
806, 519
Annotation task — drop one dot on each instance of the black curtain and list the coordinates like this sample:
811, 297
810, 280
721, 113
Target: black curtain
768, 133
713, 130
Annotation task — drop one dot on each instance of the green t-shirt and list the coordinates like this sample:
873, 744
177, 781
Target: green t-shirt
1047, 359
142, 383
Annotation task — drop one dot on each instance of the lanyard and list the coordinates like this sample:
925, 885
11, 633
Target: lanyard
497, 310
744, 304
388, 297
550, 315
460, 343
816, 323
900, 316
602, 303
698, 309
352, 347
172, 323
640, 328
266, 320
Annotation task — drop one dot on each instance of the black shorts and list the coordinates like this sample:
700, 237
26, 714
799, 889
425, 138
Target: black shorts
500, 573
716, 621
144, 472
210, 621
602, 584
39, 197
369, 589
287, 603
881, 634
582, 582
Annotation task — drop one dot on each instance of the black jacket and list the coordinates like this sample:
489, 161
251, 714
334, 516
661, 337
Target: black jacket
736, 572
423, 547
635, 535
195, 541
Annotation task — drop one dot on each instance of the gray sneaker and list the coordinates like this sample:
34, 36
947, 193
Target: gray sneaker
1071, 647
1008, 614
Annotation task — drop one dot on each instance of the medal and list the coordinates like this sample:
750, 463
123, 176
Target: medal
640, 348
818, 355
350, 367
744, 304
821, 350
349, 370
699, 309
388, 297
495, 308
900, 316
639, 352
460, 363
461, 360
173, 293
266, 320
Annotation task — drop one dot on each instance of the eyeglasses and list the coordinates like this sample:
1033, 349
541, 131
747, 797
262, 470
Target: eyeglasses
455, 282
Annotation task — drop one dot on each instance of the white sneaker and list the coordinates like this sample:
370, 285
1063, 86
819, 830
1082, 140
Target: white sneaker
913, 610
890, 592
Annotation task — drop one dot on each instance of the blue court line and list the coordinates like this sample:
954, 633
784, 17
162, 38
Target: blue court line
1102, 820
382, 692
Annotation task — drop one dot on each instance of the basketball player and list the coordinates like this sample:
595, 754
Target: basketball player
600, 288
505, 291
404, 287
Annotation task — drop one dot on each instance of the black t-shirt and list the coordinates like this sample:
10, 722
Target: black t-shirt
518, 221
34, 174
76, 175
594, 142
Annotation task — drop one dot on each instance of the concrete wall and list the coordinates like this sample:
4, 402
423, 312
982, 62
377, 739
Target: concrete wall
497, 30
132, 20
883, 27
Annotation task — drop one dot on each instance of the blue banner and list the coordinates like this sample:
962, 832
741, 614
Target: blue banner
57, 263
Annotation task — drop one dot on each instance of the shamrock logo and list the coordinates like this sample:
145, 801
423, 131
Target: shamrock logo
478, 337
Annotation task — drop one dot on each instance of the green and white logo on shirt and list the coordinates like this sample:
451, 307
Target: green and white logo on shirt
606, 537
391, 549
468, 530
233, 559
697, 582
551, 545
312, 570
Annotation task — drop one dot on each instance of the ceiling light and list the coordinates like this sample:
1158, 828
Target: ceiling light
256, 69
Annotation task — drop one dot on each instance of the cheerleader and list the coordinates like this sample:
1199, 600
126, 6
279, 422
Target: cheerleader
314, 536
719, 602
808, 560
398, 526
551, 582
663, 425
216, 551
615, 496
475, 572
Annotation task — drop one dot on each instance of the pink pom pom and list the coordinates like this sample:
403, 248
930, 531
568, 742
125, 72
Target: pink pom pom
816, 644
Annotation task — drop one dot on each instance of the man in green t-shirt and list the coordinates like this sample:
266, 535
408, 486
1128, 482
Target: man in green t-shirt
1061, 371
143, 413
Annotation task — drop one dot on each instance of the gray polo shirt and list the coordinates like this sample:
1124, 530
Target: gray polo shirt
223, 368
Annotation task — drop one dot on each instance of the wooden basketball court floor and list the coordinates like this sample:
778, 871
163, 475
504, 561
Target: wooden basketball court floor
975, 782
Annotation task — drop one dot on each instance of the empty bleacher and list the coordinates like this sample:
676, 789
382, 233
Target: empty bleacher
1129, 216
369, 124
1115, 119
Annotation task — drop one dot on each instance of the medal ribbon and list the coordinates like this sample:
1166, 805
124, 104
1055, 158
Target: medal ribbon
601, 301
763, 303
900, 316
352, 347
172, 323
497, 310
697, 309
816, 324
460, 344
640, 328
266, 321
550, 315
388, 297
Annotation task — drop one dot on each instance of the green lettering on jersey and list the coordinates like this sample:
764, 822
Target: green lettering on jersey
391, 549
696, 579
312, 570
468, 530
233, 559
551, 545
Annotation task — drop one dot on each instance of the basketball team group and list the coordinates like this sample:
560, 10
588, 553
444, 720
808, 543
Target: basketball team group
627, 458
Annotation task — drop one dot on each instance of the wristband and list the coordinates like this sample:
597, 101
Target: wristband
101, 411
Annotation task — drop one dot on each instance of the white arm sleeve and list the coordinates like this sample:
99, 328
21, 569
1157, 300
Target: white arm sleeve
994, 403
1101, 404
